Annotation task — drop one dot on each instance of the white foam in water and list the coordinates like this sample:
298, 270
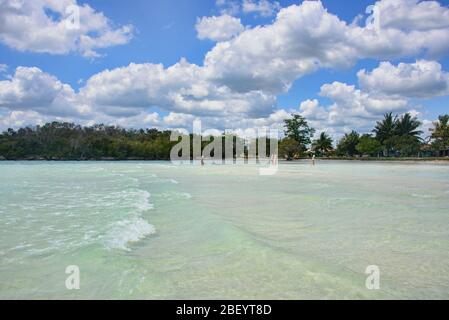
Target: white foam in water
143, 202
186, 195
134, 228
128, 231
174, 181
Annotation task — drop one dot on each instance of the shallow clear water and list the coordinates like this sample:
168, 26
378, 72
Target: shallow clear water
151, 230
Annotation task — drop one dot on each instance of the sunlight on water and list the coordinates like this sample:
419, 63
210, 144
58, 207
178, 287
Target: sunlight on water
155, 231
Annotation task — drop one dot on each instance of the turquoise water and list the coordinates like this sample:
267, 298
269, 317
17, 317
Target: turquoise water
151, 230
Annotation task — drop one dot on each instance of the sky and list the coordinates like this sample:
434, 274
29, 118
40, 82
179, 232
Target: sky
233, 64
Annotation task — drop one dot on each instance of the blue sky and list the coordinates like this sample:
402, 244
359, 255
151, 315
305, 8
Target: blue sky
166, 31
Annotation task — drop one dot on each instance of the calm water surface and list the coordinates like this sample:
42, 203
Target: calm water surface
151, 230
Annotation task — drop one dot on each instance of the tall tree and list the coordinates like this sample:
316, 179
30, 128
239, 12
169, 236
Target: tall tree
440, 135
407, 138
385, 132
298, 129
323, 145
348, 144
407, 125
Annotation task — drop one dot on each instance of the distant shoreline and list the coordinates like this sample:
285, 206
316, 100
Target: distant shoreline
388, 159
366, 159
432, 160
80, 160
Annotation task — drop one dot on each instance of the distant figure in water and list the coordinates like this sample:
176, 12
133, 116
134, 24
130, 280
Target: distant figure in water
313, 160
202, 160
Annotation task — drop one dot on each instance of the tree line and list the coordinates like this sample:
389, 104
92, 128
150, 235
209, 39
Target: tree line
67, 141
393, 136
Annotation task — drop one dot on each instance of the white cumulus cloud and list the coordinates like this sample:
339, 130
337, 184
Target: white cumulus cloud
41, 26
420, 79
33, 89
182, 88
219, 28
306, 37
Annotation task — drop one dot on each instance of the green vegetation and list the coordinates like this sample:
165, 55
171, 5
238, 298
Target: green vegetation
440, 136
289, 149
323, 145
369, 146
298, 130
298, 135
347, 146
385, 131
67, 141
399, 136
394, 137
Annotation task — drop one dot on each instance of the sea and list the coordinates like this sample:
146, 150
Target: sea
157, 230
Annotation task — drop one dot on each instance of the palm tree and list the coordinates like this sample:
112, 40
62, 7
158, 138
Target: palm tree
323, 145
385, 131
407, 125
440, 134
407, 140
